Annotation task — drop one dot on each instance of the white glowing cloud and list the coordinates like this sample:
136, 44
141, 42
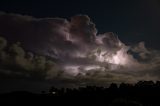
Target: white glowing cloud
92, 67
119, 58
72, 70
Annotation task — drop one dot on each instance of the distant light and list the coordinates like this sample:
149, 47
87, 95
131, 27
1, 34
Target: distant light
53, 93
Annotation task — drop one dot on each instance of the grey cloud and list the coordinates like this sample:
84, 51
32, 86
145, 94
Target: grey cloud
141, 49
57, 43
109, 41
35, 34
83, 29
15, 61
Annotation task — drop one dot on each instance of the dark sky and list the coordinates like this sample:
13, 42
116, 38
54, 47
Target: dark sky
132, 20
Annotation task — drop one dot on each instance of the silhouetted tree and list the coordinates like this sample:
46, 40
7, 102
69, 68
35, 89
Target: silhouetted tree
113, 86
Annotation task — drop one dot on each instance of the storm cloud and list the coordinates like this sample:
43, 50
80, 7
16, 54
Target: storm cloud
71, 51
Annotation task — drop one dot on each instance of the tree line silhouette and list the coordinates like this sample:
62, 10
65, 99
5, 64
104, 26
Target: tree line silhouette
143, 93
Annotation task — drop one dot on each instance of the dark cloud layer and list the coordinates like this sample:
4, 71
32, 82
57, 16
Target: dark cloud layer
70, 53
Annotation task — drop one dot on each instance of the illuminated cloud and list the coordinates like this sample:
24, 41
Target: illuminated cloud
71, 51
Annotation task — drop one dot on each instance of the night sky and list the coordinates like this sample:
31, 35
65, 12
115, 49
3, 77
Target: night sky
70, 43
133, 21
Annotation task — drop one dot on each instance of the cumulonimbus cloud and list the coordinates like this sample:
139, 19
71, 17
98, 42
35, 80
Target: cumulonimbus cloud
71, 50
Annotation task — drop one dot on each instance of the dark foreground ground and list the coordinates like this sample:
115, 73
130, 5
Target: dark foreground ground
144, 93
